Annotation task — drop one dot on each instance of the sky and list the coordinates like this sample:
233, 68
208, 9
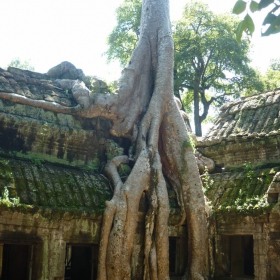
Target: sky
47, 32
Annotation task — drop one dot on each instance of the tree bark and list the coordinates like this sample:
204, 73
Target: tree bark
145, 110
197, 121
162, 145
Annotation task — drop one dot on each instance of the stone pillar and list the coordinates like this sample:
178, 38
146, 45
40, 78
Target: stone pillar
54, 249
260, 256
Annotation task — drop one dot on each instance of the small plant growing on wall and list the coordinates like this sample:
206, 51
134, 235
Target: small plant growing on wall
43, 135
5, 198
207, 182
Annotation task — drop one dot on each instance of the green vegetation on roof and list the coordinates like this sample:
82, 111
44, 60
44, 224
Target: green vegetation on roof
53, 187
240, 192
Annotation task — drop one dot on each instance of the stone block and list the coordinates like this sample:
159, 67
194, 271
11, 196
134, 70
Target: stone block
260, 271
260, 247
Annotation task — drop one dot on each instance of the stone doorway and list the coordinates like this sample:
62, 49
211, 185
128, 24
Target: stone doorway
242, 255
81, 262
236, 257
16, 261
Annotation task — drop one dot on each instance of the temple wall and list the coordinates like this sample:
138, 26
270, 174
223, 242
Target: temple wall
261, 150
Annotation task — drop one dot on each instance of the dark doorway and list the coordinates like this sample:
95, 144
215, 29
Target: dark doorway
178, 252
242, 255
15, 262
248, 244
236, 257
81, 262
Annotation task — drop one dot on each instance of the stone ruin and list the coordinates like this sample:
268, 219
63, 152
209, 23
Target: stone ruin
53, 188
243, 191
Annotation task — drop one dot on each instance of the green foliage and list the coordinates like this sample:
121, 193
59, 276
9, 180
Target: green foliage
254, 6
123, 39
94, 165
244, 194
264, 3
272, 75
4, 162
22, 64
5, 173
190, 143
70, 182
271, 21
248, 168
43, 135
246, 25
113, 86
209, 63
124, 170
207, 182
37, 161
248, 200
187, 102
6, 176
247, 205
239, 7
6, 200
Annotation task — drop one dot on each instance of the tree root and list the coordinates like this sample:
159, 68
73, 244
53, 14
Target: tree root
52, 106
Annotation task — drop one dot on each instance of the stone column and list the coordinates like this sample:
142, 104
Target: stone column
54, 249
260, 256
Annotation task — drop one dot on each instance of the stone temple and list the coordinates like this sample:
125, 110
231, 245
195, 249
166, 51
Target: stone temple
53, 188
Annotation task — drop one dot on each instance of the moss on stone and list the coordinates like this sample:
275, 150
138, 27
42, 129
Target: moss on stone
55, 186
245, 192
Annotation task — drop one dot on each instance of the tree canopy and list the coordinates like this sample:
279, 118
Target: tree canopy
272, 75
22, 64
209, 63
123, 39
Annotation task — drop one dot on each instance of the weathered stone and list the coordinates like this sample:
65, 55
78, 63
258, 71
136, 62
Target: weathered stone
66, 70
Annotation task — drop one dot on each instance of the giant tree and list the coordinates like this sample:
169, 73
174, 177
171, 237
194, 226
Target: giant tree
146, 112
207, 57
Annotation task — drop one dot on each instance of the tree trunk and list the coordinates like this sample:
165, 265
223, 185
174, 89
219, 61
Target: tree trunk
145, 111
162, 144
197, 121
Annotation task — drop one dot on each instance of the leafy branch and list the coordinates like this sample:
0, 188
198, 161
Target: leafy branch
271, 22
